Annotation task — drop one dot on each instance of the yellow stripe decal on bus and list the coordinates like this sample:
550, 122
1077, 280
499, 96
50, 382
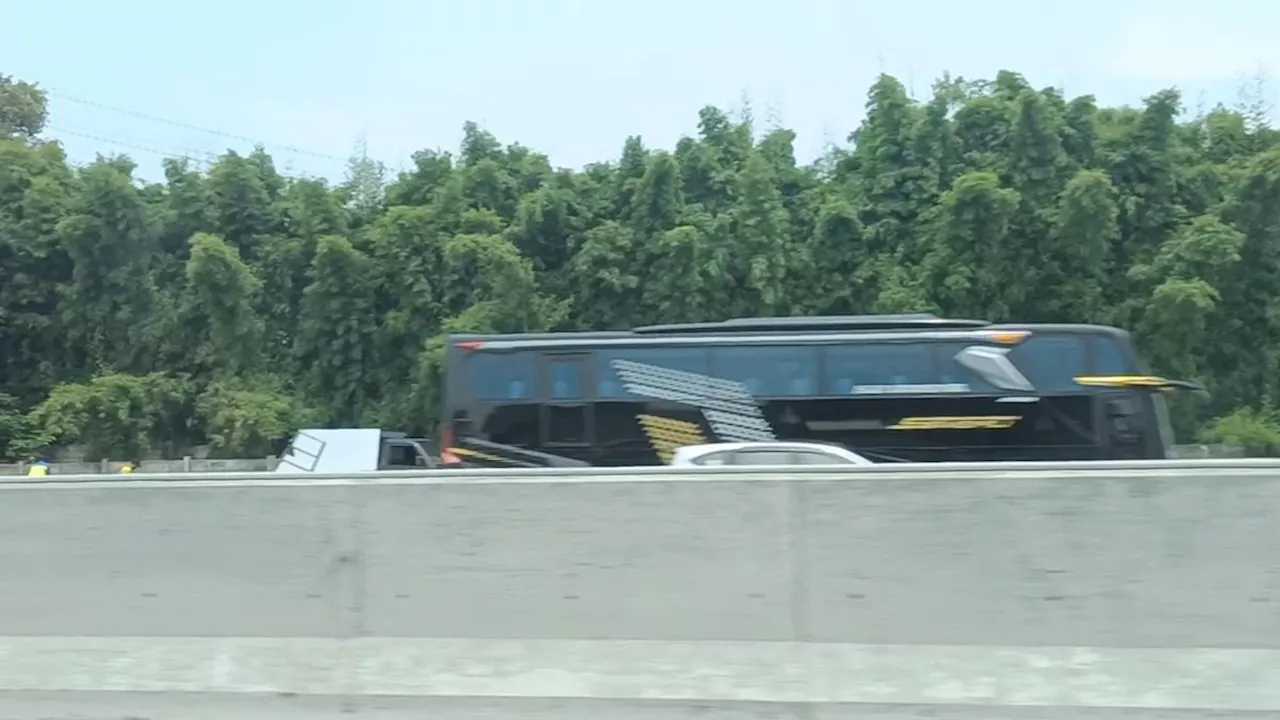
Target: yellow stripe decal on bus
667, 434
1122, 381
960, 422
479, 455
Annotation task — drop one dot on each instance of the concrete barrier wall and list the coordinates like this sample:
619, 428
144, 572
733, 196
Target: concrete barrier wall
996, 558
682, 560
1138, 560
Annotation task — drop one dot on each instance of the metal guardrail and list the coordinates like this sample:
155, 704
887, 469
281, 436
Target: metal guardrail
1225, 467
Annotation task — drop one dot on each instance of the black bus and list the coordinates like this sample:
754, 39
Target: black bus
901, 388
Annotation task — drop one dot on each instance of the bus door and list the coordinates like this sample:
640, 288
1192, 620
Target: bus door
566, 413
1124, 424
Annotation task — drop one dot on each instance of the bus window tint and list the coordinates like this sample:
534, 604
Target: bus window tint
564, 378
1109, 358
502, 376
1051, 362
692, 360
850, 367
769, 371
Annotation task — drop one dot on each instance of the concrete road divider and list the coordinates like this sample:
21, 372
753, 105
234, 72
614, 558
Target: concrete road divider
654, 671
899, 586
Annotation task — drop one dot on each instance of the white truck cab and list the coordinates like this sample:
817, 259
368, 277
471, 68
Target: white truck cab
325, 450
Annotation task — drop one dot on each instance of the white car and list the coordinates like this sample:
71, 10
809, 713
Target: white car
765, 453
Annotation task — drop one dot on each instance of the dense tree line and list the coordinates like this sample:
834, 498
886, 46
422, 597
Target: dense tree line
230, 306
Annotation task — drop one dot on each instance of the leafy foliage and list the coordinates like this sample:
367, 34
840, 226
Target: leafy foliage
230, 306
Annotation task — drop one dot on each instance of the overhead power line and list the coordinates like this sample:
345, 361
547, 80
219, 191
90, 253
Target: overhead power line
183, 154
193, 128
203, 159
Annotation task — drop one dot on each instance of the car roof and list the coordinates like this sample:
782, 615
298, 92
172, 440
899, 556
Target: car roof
763, 443
781, 445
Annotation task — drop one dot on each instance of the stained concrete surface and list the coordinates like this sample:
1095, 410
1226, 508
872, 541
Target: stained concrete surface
1106, 561
197, 706
1017, 560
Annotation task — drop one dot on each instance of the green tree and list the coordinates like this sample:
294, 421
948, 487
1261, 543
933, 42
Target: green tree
110, 295
227, 305
973, 256
220, 296
117, 415
24, 109
1074, 264
335, 335
249, 417
240, 203
35, 194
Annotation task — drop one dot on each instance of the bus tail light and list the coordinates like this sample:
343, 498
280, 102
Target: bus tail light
447, 455
469, 344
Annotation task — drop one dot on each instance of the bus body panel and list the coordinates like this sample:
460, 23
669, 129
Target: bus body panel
619, 398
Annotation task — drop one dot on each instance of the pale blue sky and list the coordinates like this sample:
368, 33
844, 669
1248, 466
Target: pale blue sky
573, 78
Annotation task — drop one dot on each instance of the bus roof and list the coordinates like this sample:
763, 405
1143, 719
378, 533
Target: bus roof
803, 329
919, 321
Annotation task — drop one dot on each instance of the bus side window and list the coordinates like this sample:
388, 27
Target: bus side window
1108, 359
1051, 362
501, 376
849, 366
801, 382
681, 359
769, 370
565, 376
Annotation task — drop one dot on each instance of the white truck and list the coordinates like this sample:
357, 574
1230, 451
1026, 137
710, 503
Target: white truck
344, 450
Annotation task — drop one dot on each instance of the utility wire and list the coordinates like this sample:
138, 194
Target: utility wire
194, 128
184, 154
191, 155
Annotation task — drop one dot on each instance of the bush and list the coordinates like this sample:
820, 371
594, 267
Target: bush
1257, 431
